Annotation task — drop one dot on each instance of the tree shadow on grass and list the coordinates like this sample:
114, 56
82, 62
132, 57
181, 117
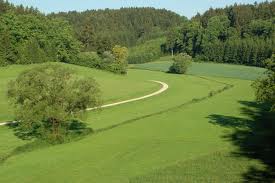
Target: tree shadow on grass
76, 130
255, 137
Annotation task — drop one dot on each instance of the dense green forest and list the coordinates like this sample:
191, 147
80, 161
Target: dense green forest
239, 34
27, 36
99, 30
82, 38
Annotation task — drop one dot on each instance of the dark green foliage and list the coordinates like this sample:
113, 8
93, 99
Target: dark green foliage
7, 49
260, 28
239, 34
47, 98
100, 30
181, 63
31, 53
265, 87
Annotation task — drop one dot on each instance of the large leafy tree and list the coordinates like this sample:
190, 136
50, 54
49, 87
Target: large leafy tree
47, 97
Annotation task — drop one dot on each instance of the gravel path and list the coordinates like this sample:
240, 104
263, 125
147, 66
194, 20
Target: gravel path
163, 88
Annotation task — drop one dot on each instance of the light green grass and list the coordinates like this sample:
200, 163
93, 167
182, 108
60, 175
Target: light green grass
114, 87
207, 69
152, 135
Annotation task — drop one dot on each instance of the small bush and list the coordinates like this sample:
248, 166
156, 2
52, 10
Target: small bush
114, 61
120, 64
107, 59
181, 63
89, 59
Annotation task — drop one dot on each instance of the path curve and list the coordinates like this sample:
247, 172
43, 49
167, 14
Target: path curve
163, 88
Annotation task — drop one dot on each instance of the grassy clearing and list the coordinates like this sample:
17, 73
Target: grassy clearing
114, 87
207, 69
137, 139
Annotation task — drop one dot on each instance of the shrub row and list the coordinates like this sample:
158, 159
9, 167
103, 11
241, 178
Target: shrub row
113, 61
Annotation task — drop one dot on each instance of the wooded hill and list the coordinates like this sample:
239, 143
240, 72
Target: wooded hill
239, 34
100, 30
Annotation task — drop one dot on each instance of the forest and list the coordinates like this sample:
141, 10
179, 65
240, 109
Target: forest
238, 34
99, 30
88, 38
27, 37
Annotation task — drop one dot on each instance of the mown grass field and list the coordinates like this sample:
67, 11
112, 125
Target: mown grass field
206, 69
114, 87
183, 135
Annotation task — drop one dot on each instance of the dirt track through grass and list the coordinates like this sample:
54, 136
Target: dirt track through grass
163, 89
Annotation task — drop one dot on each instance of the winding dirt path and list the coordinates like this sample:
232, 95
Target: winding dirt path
163, 88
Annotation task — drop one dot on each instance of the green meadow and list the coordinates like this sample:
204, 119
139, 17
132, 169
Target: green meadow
196, 131
114, 87
206, 69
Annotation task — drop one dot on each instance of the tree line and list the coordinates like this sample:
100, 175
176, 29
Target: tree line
83, 38
100, 30
28, 37
239, 34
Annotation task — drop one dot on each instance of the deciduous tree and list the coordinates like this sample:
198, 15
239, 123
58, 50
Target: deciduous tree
47, 97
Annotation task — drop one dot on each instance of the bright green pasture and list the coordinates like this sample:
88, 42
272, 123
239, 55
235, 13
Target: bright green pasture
141, 140
114, 87
207, 69
216, 167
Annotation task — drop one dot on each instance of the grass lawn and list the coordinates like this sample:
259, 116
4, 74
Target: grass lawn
114, 87
181, 135
207, 69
